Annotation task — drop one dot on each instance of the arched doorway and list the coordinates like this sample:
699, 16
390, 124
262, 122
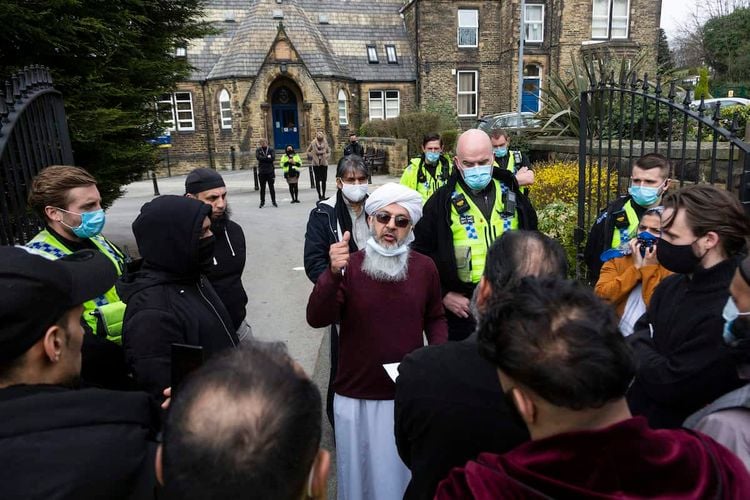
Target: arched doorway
532, 82
285, 118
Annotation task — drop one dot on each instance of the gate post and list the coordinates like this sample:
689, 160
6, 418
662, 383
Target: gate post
580, 232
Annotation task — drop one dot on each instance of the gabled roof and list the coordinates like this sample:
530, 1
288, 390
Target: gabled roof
337, 48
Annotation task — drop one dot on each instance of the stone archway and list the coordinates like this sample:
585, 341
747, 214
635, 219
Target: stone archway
286, 118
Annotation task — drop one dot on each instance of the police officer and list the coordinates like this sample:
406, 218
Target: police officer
429, 171
512, 160
618, 223
463, 218
68, 201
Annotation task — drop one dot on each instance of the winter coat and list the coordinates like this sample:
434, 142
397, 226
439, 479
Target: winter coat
169, 300
59, 443
318, 152
265, 157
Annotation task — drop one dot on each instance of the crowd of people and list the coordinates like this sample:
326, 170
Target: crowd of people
464, 362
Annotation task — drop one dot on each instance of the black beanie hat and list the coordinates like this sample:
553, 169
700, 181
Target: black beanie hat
203, 179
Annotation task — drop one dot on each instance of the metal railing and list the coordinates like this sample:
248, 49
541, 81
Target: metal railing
33, 135
621, 121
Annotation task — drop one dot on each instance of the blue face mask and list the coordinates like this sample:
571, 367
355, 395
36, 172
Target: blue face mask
478, 177
730, 315
432, 157
500, 152
91, 225
644, 196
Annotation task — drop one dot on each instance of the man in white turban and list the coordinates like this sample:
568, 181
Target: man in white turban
384, 297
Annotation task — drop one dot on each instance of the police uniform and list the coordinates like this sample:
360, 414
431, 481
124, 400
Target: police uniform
513, 161
103, 314
417, 177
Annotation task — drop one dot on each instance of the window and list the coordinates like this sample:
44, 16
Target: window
534, 22
180, 51
343, 116
468, 28
384, 104
225, 109
372, 54
177, 111
610, 19
390, 54
467, 93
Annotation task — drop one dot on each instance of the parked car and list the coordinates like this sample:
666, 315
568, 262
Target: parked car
508, 121
725, 102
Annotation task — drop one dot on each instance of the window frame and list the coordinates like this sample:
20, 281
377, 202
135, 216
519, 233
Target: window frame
527, 23
372, 54
460, 93
225, 106
610, 18
174, 123
459, 27
383, 102
180, 51
343, 119
391, 49
540, 76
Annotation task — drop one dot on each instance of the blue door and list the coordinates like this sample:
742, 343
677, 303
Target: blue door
530, 98
285, 119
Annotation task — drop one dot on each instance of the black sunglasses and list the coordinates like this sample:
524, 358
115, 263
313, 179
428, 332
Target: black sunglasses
384, 218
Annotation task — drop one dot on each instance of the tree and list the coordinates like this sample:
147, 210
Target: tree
726, 44
111, 60
664, 54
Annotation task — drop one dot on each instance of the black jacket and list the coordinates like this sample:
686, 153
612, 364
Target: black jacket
354, 149
684, 364
265, 164
58, 443
449, 407
168, 300
229, 263
433, 236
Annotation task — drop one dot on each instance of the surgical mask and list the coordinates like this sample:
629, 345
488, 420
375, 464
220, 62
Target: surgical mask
500, 152
206, 252
392, 251
730, 314
91, 224
644, 196
432, 157
677, 258
478, 177
354, 192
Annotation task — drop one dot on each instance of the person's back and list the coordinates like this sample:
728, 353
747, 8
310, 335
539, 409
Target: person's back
168, 300
565, 366
449, 404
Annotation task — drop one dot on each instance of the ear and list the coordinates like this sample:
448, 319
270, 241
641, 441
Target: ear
339, 183
52, 213
525, 405
484, 293
157, 465
189, 195
712, 240
318, 482
53, 343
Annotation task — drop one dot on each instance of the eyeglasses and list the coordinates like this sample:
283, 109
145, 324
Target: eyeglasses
400, 220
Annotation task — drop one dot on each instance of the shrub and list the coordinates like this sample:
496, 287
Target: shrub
558, 220
412, 127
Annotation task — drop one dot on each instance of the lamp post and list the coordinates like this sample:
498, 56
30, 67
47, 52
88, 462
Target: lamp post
522, 36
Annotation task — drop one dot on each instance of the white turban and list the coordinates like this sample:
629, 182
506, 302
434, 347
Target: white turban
390, 193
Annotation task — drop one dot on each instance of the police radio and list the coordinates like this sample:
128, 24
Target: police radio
459, 203
509, 204
620, 219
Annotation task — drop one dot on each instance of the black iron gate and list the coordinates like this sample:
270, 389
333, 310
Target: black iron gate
33, 135
621, 121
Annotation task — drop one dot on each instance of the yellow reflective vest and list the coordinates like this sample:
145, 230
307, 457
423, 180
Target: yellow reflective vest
624, 235
108, 308
425, 184
473, 234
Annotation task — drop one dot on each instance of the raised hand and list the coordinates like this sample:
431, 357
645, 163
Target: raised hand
339, 254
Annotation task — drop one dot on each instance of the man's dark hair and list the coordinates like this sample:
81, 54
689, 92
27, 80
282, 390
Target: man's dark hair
247, 424
432, 136
352, 134
497, 133
655, 160
353, 163
708, 208
559, 340
517, 254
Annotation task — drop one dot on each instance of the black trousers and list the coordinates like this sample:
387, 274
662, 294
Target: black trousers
321, 176
266, 179
294, 191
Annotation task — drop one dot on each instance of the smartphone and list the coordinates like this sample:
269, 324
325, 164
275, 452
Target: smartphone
185, 359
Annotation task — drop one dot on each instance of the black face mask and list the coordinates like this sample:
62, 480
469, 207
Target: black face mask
677, 258
290, 153
206, 252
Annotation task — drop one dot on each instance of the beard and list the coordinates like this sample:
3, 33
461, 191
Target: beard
386, 267
220, 221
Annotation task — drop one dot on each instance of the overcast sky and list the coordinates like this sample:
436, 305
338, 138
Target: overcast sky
674, 13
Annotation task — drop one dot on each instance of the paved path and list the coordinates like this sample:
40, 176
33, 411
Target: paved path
274, 276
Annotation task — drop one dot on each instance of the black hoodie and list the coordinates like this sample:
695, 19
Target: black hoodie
168, 300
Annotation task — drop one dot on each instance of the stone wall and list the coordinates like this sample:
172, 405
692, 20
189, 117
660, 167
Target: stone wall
396, 155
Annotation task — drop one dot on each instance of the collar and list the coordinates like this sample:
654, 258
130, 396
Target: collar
716, 277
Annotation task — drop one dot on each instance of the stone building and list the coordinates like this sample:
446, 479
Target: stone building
284, 69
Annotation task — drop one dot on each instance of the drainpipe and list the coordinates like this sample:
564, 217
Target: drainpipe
416, 55
209, 128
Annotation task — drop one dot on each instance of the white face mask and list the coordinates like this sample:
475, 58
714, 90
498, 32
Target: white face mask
355, 192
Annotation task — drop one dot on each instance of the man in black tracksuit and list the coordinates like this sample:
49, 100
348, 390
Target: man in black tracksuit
265, 156
169, 300
225, 274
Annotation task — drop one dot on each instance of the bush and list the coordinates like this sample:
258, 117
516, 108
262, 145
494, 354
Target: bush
558, 220
412, 127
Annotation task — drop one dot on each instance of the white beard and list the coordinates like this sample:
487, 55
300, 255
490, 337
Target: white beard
382, 268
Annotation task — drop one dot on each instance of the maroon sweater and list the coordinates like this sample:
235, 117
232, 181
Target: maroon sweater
381, 321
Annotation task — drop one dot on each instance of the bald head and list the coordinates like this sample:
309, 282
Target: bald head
473, 148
